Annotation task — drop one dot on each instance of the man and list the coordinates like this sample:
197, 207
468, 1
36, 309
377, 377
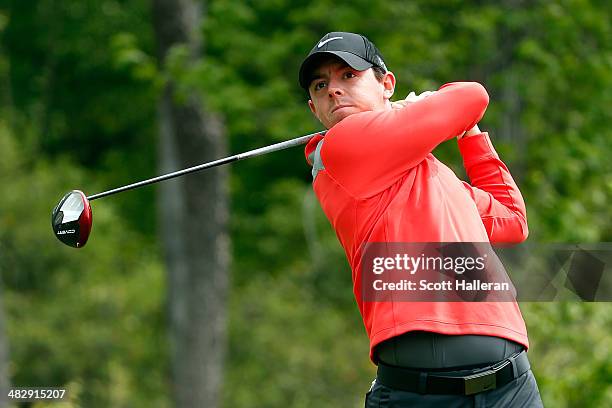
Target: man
377, 181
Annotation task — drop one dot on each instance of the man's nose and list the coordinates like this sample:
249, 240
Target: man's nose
334, 89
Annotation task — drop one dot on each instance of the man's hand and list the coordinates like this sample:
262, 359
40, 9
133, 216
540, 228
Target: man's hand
411, 98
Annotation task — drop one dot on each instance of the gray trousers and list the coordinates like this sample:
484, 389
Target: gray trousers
522, 392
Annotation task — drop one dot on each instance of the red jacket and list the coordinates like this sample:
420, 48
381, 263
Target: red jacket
377, 181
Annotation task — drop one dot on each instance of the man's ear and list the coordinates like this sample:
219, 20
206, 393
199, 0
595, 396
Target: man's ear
389, 85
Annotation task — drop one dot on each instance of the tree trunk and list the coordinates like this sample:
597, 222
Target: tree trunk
193, 212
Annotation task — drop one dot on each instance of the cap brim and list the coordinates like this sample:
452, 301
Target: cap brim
352, 60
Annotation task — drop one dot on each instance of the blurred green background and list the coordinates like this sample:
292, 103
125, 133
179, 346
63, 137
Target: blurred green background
78, 94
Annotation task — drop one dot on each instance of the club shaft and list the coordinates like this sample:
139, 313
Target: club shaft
251, 153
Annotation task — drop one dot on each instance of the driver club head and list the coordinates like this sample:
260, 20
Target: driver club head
71, 219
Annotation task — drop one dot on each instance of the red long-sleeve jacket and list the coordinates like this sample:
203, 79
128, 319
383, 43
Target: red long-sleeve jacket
377, 181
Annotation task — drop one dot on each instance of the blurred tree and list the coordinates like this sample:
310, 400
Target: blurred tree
192, 218
90, 320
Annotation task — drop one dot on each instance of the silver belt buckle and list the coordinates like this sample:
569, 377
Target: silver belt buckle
485, 381
475, 383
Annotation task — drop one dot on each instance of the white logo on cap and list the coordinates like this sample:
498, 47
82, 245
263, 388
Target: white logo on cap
322, 43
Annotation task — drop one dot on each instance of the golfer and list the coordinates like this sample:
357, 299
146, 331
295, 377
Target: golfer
377, 181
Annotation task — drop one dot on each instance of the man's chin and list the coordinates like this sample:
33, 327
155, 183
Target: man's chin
336, 121
341, 114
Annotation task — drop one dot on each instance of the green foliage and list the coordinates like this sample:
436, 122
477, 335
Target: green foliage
81, 105
85, 320
572, 357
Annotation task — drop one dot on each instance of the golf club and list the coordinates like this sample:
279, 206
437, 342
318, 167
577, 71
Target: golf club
71, 218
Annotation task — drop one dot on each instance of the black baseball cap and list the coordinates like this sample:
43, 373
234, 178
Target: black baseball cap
354, 49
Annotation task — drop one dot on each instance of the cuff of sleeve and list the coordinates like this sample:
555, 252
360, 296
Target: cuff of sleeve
476, 148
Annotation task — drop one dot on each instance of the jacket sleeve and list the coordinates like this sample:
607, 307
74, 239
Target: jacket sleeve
497, 197
369, 151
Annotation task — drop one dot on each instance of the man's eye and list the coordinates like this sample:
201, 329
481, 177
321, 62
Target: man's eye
349, 74
319, 85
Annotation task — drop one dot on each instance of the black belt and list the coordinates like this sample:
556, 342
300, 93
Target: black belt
483, 379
